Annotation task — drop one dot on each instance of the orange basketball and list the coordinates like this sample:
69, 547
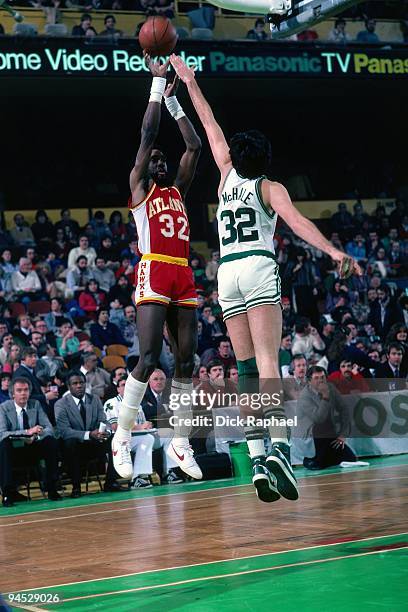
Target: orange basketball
158, 36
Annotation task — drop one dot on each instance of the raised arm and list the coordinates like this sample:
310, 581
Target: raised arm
188, 162
150, 128
215, 135
277, 198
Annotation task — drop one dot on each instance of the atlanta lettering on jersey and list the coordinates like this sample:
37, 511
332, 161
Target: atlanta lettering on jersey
157, 206
237, 193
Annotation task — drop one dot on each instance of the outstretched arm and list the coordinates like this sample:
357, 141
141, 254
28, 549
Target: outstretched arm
150, 128
188, 162
277, 198
215, 135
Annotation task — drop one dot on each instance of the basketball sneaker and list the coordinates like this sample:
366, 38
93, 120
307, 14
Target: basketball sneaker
181, 452
140, 483
263, 482
122, 460
172, 478
278, 464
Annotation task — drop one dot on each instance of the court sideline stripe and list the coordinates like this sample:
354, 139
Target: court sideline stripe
180, 567
248, 484
232, 574
21, 523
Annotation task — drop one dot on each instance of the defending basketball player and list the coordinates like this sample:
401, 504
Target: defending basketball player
248, 279
165, 290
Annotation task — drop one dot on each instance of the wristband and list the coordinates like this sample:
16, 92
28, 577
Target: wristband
157, 89
174, 108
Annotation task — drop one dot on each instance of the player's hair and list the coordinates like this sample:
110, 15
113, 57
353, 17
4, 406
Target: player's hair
250, 153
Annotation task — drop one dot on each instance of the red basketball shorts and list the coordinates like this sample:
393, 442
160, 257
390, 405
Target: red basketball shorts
161, 281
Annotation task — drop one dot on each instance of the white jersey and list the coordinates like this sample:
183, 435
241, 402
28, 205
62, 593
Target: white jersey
246, 226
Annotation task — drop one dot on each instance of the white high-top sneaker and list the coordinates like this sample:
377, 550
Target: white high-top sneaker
122, 460
181, 452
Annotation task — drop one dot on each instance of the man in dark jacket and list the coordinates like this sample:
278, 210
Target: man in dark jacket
104, 333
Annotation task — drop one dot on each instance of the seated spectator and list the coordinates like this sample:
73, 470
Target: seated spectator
368, 35
69, 226
200, 278
21, 233
48, 357
97, 379
43, 229
125, 319
211, 325
399, 333
23, 329
232, 374
122, 291
342, 348
92, 299
91, 32
108, 252
80, 30
13, 359
25, 284
338, 34
223, 353
154, 402
115, 376
307, 36
78, 276
204, 338
110, 31
98, 222
23, 416
7, 267
6, 342
307, 340
356, 248
117, 227
67, 342
83, 249
78, 416
285, 354
104, 333
384, 312
52, 319
392, 368
258, 31
211, 268
348, 380
295, 381
337, 297
323, 416
28, 363
103, 274
288, 316
5, 379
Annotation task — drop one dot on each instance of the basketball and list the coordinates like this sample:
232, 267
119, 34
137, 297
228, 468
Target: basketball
158, 36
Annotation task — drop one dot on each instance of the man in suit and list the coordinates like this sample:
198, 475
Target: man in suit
26, 369
384, 312
153, 400
24, 416
323, 415
392, 369
78, 415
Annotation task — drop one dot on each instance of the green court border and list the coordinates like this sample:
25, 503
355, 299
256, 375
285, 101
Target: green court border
190, 487
377, 558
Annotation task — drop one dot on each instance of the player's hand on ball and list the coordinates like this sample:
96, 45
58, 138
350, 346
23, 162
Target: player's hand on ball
172, 87
186, 74
156, 68
347, 266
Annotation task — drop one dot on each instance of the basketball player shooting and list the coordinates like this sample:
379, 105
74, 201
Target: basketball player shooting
165, 291
248, 280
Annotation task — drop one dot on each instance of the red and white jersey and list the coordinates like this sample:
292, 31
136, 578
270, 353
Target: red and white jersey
162, 223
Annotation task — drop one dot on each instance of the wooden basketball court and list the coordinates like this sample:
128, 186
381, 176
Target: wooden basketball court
215, 546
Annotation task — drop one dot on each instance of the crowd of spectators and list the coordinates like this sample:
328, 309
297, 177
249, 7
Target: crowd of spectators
66, 298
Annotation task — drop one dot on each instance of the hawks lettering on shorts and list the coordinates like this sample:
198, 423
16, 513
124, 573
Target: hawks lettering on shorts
162, 223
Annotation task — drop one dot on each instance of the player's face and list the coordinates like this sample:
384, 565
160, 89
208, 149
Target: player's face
158, 167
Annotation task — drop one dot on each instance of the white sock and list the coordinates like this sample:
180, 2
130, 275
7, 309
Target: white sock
134, 392
256, 448
182, 409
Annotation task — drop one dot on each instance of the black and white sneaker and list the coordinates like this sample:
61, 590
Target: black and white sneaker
263, 482
140, 483
172, 478
278, 464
